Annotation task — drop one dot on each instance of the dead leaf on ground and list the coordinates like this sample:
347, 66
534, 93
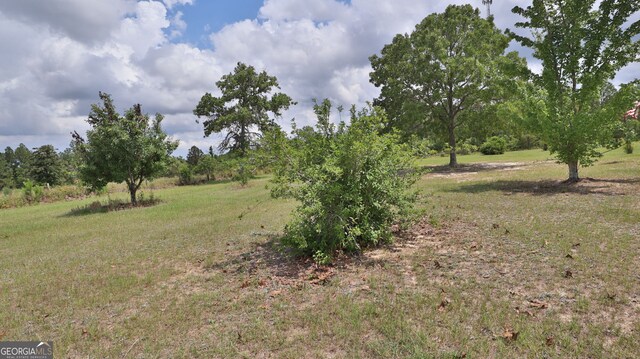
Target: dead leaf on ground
538, 304
550, 341
437, 264
496, 226
84, 332
510, 335
526, 311
569, 256
568, 273
443, 304
245, 284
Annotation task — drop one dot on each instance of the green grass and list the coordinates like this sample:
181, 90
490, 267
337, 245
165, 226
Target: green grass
199, 275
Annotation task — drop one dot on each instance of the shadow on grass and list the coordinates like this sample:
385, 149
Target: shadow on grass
274, 260
473, 167
586, 186
111, 206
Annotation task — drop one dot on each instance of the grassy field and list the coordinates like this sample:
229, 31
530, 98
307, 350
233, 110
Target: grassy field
508, 262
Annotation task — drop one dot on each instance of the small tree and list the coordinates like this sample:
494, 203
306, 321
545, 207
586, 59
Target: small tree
243, 109
451, 66
194, 155
46, 167
126, 148
207, 166
352, 183
581, 48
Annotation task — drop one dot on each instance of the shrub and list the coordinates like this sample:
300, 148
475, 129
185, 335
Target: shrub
628, 147
31, 192
494, 146
466, 148
352, 183
185, 175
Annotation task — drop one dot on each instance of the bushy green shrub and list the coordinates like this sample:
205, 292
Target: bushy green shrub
466, 148
494, 146
185, 175
31, 192
352, 183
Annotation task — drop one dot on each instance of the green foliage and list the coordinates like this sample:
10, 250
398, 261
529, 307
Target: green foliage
31, 192
494, 146
6, 179
351, 181
243, 109
46, 167
448, 72
185, 175
208, 165
194, 155
581, 48
127, 148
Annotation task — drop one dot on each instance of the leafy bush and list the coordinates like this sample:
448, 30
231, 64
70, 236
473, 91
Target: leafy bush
185, 175
494, 146
31, 192
352, 182
466, 148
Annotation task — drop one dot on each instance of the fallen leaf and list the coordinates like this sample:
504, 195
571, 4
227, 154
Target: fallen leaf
550, 341
506, 231
509, 335
576, 245
275, 293
244, 284
568, 274
474, 246
365, 288
437, 264
262, 282
496, 226
569, 256
538, 304
84, 332
611, 296
443, 304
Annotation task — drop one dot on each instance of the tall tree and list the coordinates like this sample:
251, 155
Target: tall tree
243, 109
128, 148
46, 167
451, 63
194, 155
581, 47
6, 179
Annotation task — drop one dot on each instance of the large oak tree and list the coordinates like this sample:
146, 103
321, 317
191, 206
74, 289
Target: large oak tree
242, 111
451, 63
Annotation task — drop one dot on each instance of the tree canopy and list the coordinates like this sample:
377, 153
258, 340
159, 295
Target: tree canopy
452, 62
581, 47
128, 148
242, 111
46, 167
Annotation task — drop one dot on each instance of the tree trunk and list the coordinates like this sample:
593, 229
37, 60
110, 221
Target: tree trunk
453, 159
132, 192
573, 171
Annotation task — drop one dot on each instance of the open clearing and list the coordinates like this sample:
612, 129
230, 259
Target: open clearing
508, 262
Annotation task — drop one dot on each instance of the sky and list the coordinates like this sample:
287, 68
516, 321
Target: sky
58, 54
